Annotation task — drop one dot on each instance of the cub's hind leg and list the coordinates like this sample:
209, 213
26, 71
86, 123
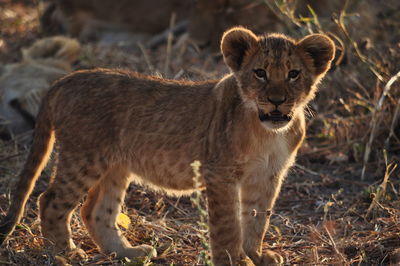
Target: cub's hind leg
72, 181
100, 212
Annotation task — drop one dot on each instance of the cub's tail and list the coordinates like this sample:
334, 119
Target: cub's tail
38, 156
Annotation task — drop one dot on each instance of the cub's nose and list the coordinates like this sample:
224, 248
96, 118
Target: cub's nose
277, 99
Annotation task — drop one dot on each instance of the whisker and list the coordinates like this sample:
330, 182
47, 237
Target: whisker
263, 104
309, 112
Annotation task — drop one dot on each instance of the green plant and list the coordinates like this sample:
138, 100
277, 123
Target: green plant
198, 202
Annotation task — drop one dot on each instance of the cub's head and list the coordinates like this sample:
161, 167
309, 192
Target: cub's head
276, 75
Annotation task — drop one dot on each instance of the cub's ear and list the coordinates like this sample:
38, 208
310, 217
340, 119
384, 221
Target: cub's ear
321, 49
235, 44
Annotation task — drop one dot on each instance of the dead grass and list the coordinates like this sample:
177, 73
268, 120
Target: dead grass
325, 215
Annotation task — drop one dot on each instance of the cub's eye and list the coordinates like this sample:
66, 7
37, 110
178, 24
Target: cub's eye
293, 74
260, 73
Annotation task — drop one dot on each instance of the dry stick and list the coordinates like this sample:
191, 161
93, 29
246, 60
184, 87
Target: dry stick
159, 39
339, 179
375, 201
374, 121
317, 234
358, 83
315, 254
340, 58
230, 258
340, 22
39, 13
169, 44
11, 156
146, 57
340, 145
333, 243
278, 13
394, 122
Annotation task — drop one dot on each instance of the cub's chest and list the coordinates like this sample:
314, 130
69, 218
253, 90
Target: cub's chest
272, 156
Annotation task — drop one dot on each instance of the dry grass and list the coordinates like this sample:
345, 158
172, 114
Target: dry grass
326, 213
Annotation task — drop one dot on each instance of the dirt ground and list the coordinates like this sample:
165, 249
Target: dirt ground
326, 213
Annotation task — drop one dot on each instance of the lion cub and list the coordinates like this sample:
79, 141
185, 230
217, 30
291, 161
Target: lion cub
111, 127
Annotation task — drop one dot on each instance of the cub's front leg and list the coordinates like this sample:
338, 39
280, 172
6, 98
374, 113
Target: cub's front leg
224, 222
258, 195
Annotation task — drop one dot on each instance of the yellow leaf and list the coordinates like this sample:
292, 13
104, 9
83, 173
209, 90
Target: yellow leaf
123, 220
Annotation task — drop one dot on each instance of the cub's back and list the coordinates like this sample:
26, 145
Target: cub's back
92, 105
126, 87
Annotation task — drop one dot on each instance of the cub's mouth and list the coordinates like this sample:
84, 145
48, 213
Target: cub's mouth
274, 116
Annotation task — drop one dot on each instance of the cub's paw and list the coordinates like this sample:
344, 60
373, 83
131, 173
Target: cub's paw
271, 258
148, 251
138, 251
246, 262
241, 260
76, 254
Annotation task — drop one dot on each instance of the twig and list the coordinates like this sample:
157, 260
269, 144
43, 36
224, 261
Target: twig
338, 59
178, 29
374, 120
146, 57
286, 11
394, 122
318, 235
11, 156
179, 74
311, 172
321, 150
39, 13
169, 45
332, 242
340, 22
315, 254
358, 83
230, 258
382, 187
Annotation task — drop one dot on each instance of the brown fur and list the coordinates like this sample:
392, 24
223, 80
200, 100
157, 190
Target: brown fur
114, 126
